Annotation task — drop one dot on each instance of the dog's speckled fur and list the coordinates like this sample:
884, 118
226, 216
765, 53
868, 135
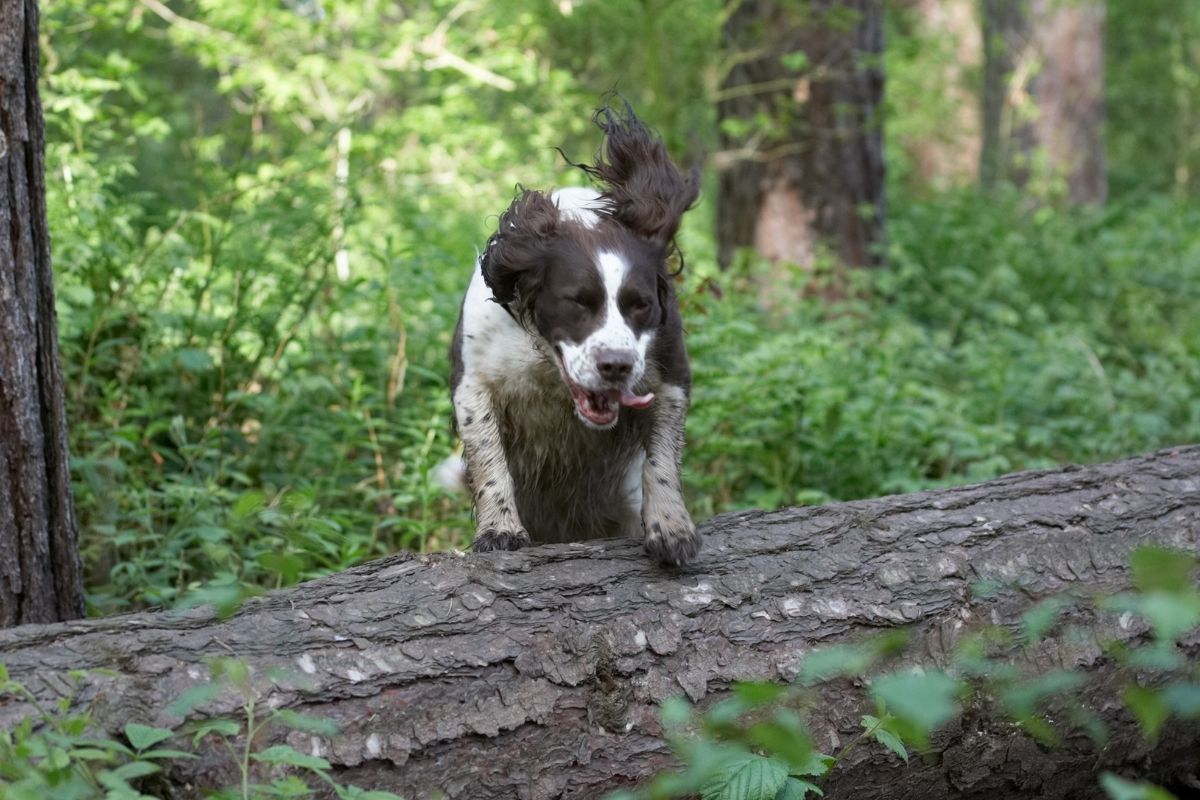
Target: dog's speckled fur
571, 313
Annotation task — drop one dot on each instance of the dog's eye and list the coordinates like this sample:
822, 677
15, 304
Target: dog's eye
638, 304
580, 300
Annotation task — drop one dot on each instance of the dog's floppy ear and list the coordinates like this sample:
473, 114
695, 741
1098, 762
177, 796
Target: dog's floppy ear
515, 258
644, 190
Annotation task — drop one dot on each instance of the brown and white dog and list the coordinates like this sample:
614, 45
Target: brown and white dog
570, 377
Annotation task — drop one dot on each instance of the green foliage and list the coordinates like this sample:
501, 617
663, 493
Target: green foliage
1117, 788
883, 731
921, 701
755, 743
56, 753
263, 219
1153, 95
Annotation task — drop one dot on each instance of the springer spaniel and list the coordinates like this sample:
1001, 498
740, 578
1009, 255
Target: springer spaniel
570, 378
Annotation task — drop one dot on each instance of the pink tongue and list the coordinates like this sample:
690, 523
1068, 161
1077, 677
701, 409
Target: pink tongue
637, 401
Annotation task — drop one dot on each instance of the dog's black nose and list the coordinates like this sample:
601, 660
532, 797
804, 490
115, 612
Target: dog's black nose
615, 365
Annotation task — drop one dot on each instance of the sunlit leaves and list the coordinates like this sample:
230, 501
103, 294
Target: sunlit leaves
746, 777
923, 700
1118, 788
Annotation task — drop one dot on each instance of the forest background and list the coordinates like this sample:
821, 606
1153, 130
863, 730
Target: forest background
264, 215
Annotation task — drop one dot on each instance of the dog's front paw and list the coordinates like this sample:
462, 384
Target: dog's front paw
493, 539
673, 539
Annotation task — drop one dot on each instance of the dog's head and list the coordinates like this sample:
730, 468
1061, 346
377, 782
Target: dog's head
596, 288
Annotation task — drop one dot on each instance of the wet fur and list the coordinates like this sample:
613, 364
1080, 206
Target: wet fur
537, 472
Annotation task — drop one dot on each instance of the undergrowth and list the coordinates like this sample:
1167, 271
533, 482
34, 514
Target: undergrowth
262, 233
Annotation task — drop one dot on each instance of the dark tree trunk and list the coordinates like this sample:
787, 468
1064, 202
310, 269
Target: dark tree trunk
812, 178
1043, 98
39, 560
538, 674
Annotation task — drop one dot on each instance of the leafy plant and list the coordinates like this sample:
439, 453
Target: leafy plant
755, 743
57, 754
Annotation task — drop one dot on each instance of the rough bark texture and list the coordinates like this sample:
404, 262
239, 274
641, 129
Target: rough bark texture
815, 178
537, 674
39, 561
1043, 99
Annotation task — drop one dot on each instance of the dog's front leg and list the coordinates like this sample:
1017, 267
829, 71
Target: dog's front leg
670, 535
497, 526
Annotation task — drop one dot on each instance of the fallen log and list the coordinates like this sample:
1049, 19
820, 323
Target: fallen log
538, 674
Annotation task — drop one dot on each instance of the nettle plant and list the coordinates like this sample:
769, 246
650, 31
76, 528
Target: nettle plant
756, 745
56, 753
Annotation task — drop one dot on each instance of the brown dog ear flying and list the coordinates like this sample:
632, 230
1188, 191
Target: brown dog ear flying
643, 189
517, 252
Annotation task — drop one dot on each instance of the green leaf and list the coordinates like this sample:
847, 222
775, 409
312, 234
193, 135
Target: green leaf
1183, 699
1171, 614
797, 789
283, 754
1148, 707
248, 504
783, 735
1022, 696
796, 60
222, 727
816, 765
834, 662
92, 754
844, 660
724, 714
746, 777
924, 699
676, 711
757, 693
880, 733
143, 736
1041, 617
892, 742
117, 786
1118, 788
355, 793
190, 359
306, 722
136, 769
192, 698
156, 753
1159, 569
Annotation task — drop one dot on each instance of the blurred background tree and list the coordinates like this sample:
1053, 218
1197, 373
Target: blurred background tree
1043, 96
800, 116
264, 215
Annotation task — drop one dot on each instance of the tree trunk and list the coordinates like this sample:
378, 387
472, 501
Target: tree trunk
538, 674
39, 559
944, 144
811, 178
1043, 100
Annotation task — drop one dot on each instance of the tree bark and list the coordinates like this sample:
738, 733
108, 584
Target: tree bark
538, 674
945, 152
812, 178
1043, 99
40, 575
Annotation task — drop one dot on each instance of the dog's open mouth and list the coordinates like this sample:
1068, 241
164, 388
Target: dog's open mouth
602, 408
